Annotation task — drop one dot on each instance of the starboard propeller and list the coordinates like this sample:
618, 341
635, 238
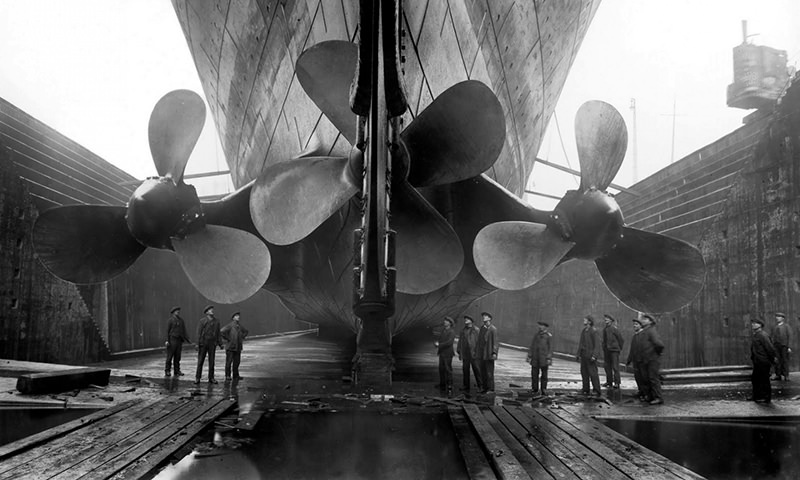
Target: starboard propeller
458, 136
648, 272
87, 244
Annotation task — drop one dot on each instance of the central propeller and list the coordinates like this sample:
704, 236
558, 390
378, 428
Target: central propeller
87, 244
458, 136
648, 272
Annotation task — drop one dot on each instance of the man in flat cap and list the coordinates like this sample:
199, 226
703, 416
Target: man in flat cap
635, 358
207, 340
176, 335
444, 349
488, 346
781, 339
233, 334
588, 353
612, 346
651, 348
468, 354
540, 356
762, 354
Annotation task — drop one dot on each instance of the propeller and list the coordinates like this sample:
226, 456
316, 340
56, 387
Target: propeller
648, 272
458, 136
94, 243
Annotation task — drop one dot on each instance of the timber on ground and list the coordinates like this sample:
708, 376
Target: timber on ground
126, 441
518, 442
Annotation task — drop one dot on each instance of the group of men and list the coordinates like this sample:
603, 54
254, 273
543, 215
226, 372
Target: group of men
209, 336
644, 356
768, 351
477, 349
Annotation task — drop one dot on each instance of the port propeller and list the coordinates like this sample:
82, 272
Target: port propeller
458, 136
87, 244
648, 272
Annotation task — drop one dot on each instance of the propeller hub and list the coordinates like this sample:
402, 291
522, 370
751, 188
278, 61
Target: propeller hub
160, 209
595, 220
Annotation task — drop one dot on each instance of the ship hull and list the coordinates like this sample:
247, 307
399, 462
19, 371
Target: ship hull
245, 54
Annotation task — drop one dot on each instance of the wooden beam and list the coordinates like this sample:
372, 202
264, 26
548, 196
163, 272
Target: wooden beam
478, 466
506, 465
54, 382
578, 174
185, 177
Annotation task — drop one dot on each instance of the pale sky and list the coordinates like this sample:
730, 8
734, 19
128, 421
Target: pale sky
93, 69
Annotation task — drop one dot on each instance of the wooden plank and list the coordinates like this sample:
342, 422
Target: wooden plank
548, 435
528, 461
90, 459
633, 466
506, 466
478, 466
624, 445
147, 455
551, 463
93, 431
60, 381
606, 469
61, 430
79, 445
249, 420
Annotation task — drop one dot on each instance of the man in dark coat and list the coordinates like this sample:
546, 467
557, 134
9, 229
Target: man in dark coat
233, 334
635, 359
176, 335
540, 356
207, 341
444, 349
612, 346
488, 346
467, 353
763, 354
588, 353
781, 339
651, 347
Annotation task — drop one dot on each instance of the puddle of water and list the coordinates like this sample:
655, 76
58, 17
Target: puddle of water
16, 423
743, 448
343, 445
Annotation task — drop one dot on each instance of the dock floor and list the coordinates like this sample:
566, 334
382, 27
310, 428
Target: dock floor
291, 382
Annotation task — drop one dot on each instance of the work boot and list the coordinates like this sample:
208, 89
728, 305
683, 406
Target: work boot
179, 374
167, 374
196, 381
211, 380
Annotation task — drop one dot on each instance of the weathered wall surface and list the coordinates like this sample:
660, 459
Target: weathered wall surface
42, 319
737, 200
45, 319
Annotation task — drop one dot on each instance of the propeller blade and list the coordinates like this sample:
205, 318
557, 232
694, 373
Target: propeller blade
458, 136
224, 264
652, 273
85, 243
325, 72
291, 199
175, 126
516, 255
428, 253
602, 140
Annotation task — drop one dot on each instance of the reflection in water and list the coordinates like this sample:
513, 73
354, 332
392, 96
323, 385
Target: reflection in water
760, 448
345, 445
16, 423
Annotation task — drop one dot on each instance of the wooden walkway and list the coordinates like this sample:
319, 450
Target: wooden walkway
520, 443
121, 442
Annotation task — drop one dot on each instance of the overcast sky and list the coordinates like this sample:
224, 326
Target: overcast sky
93, 69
